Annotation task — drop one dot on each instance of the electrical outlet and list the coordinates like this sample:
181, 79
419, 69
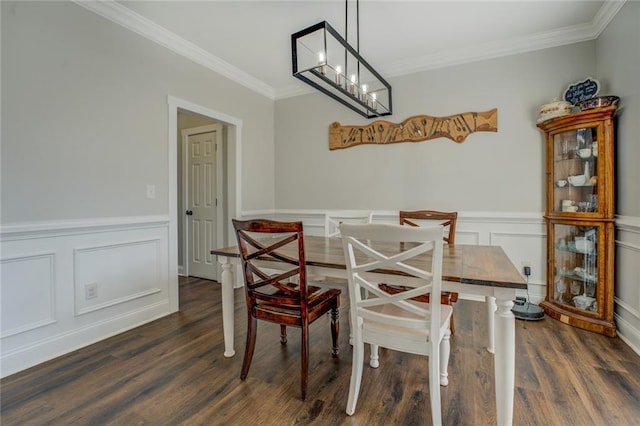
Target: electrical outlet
151, 191
525, 267
91, 291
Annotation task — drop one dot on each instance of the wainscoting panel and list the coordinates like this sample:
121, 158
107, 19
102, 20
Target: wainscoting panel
67, 285
627, 289
526, 249
27, 293
112, 274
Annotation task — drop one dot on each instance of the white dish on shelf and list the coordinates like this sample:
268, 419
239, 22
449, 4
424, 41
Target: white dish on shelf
577, 180
583, 302
582, 273
545, 117
584, 153
583, 245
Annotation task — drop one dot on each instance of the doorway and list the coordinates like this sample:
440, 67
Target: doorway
229, 185
202, 192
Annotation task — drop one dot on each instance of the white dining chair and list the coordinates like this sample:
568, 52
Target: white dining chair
430, 218
333, 220
394, 321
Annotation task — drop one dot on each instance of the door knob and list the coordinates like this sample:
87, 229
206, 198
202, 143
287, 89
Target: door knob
189, 212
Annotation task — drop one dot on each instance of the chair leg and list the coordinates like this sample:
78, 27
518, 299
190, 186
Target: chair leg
445, 351
452, 326
283, 334
356, 374
252, 328
434, 387
335, 330
304, 370
373, 360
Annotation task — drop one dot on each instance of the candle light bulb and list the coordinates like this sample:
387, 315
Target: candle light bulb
352, 86
322, 62
339, 75
364, 93
374, 101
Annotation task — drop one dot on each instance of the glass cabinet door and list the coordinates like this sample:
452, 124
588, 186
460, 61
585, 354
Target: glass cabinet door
575, 171
575, 266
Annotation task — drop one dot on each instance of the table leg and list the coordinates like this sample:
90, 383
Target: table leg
490, 303
504, 358
227, 305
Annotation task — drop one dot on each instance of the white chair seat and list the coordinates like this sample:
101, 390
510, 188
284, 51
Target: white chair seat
419, 335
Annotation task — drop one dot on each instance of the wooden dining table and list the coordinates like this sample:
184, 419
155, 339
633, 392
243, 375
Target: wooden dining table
467, 269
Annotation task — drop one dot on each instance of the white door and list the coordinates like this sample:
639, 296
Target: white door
201, 203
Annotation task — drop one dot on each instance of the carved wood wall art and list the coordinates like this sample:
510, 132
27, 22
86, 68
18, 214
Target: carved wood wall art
414, 129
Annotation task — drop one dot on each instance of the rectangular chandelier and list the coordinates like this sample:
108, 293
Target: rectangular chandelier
324, 60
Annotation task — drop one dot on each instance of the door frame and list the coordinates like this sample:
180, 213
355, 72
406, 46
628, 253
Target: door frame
233, 187
220, 151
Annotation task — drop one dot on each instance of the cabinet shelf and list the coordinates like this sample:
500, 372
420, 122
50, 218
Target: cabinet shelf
569, 249
574, 159
576, 277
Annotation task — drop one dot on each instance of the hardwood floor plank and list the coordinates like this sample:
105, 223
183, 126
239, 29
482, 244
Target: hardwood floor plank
172, 371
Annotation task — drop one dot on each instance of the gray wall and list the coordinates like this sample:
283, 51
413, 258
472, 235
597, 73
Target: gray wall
501, 171
618, 70
85, 122
618, 64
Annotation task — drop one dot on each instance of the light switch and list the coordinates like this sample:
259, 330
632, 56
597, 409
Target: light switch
151, 191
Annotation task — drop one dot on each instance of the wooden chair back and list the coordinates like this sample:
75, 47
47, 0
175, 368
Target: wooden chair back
256, 248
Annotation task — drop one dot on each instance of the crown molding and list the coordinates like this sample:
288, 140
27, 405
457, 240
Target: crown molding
492, 50
135, 22
485, 51
473, 53
605, 15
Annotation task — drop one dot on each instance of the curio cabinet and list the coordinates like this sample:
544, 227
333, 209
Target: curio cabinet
580, 219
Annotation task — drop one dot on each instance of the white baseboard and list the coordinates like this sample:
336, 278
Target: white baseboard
46, 349
628, 333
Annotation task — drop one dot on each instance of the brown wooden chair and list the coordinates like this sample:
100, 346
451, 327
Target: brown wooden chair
270, 294
417, 218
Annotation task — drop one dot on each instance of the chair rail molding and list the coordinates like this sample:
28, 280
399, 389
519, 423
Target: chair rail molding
27, 230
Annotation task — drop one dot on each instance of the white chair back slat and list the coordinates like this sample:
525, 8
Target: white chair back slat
333, 220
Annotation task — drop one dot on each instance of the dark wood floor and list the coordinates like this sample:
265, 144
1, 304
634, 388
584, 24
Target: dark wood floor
172, 371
